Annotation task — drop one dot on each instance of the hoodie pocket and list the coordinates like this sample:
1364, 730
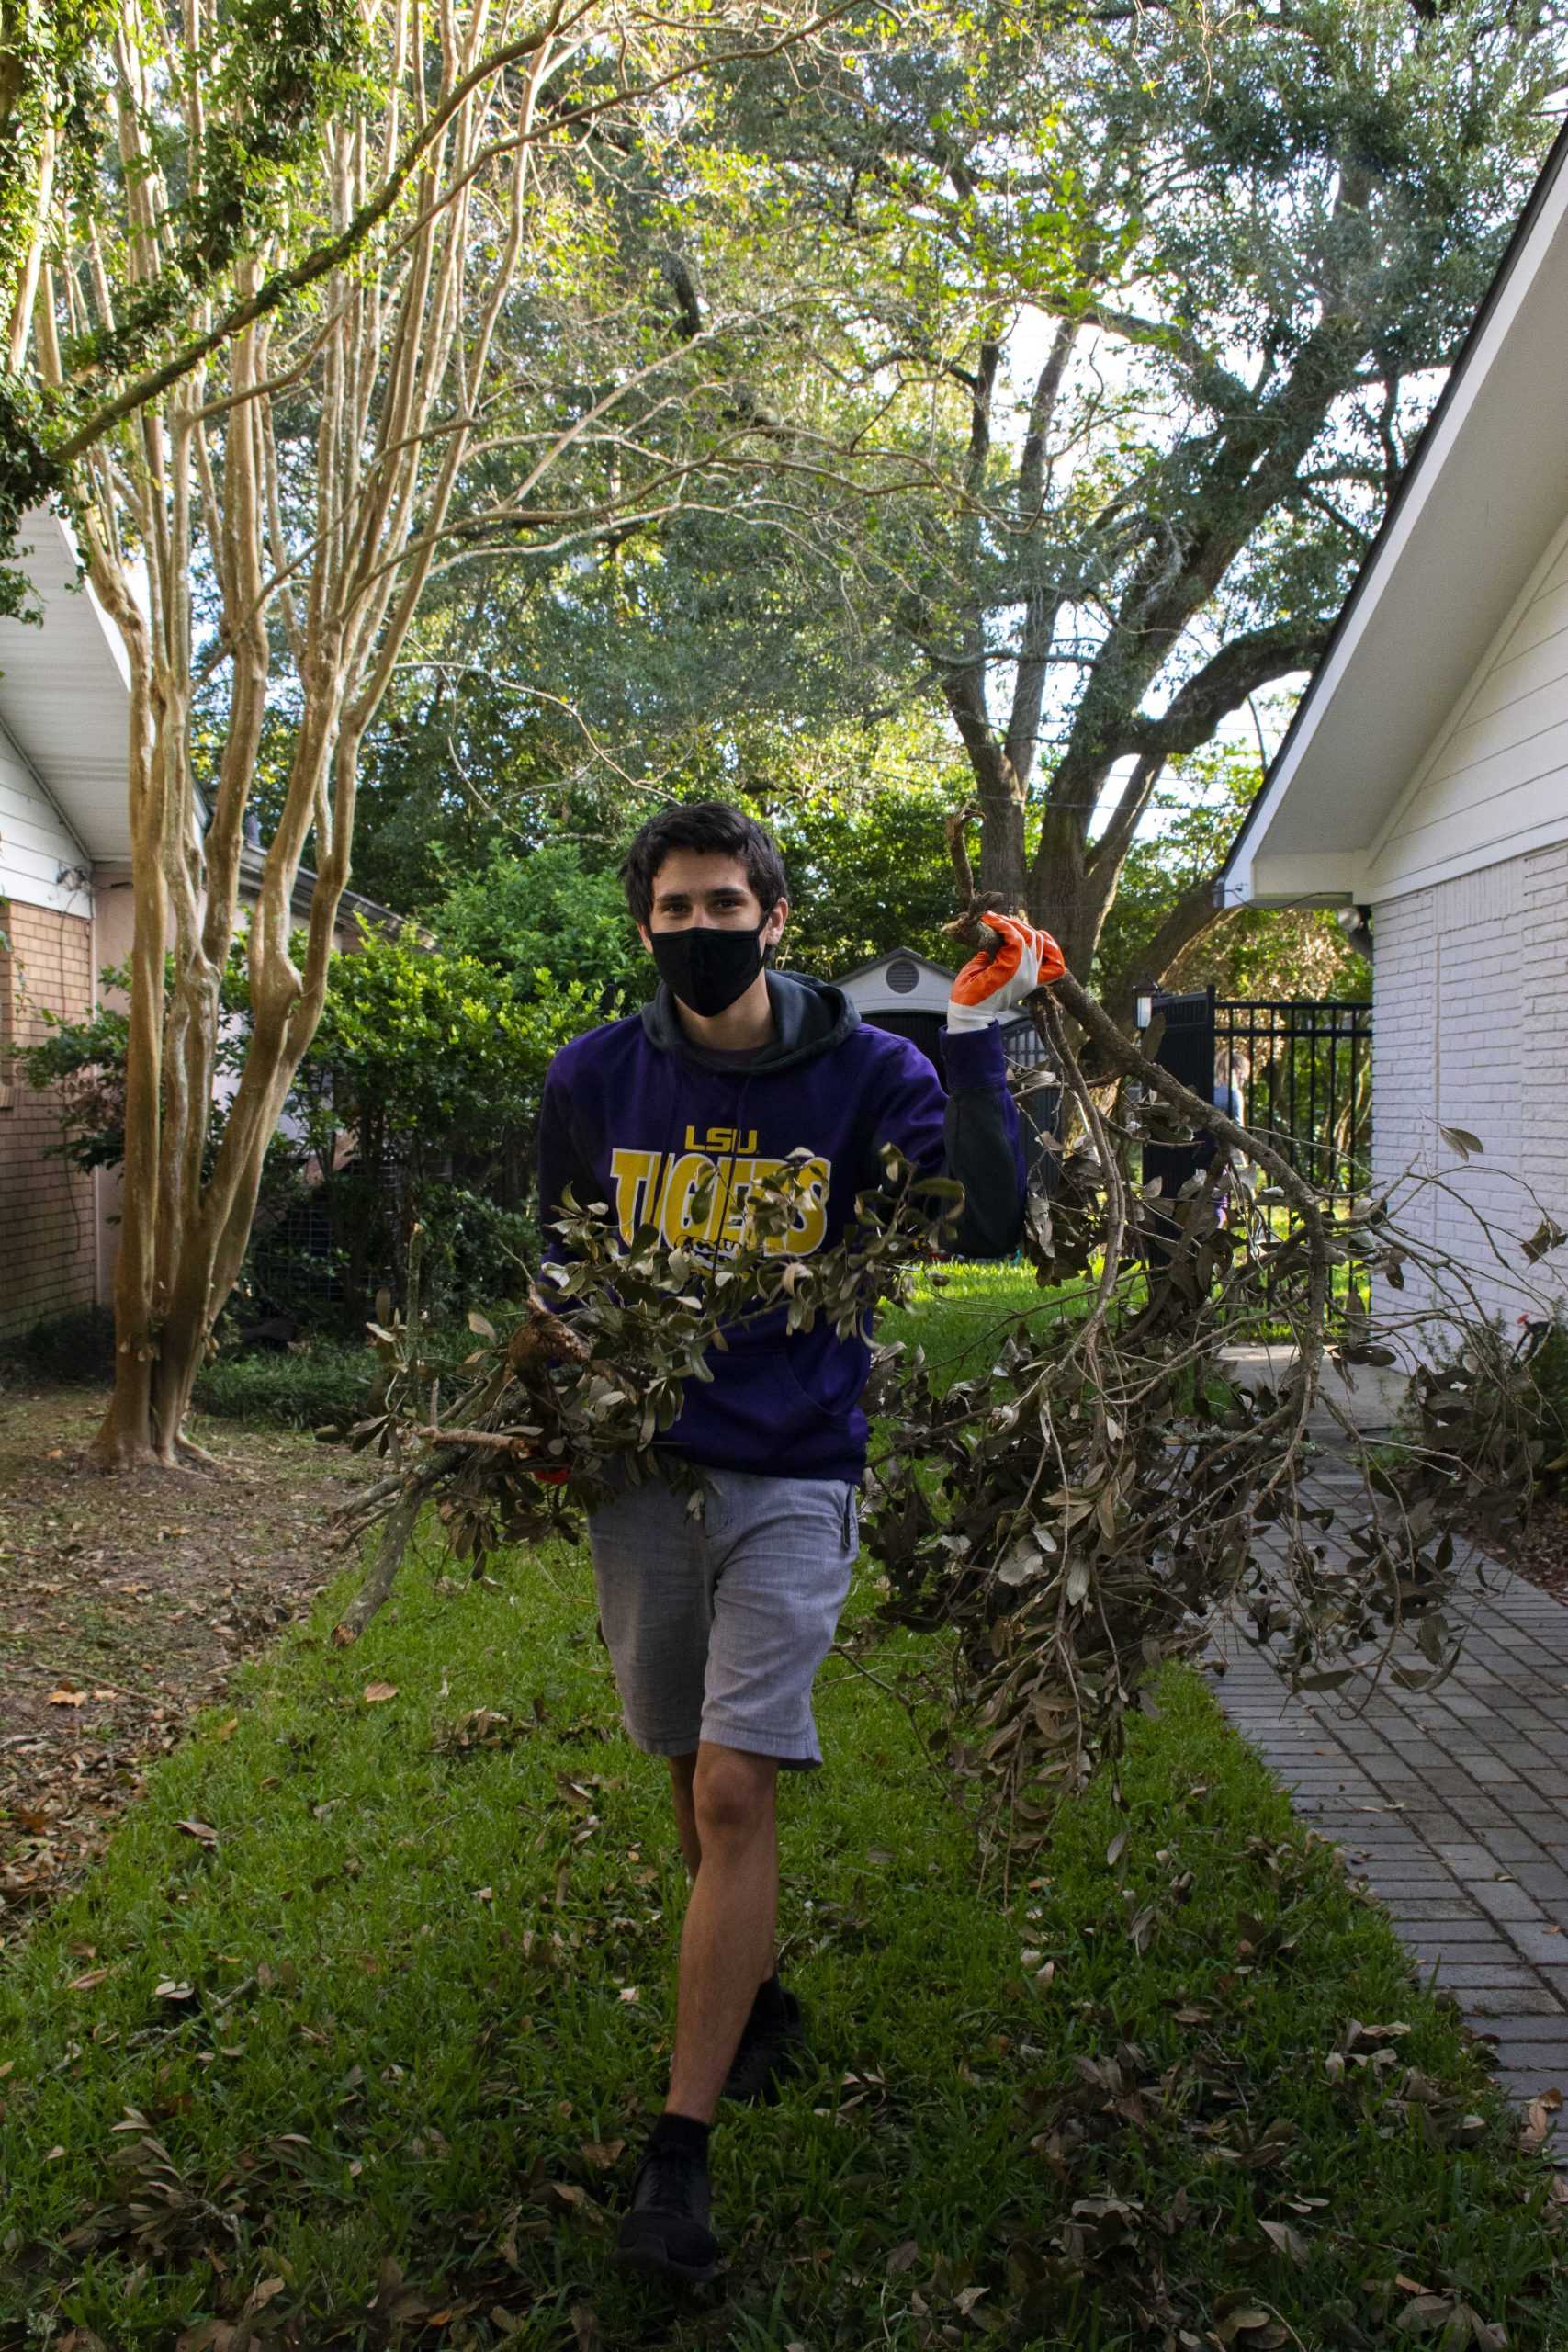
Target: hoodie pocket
798, 1388
776, 1407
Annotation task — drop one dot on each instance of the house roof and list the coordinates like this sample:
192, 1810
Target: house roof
896, 956
64, 690
253, 861
64, 701
1482, 494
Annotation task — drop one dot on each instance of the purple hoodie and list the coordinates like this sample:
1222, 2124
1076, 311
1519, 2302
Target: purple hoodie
637, 1115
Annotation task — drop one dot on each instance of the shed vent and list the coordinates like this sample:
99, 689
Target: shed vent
902, 976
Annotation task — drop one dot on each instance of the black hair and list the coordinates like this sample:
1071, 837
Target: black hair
712, 826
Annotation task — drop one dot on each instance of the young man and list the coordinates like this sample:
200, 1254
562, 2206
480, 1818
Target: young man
716, 1625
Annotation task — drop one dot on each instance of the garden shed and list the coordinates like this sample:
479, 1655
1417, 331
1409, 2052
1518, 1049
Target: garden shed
1425, 778
904, 992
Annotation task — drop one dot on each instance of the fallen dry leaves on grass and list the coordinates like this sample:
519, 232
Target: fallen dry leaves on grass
124, 1605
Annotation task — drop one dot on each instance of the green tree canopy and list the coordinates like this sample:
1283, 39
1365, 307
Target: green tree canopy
1082, 356
547, 924
1257, 951
1134, 318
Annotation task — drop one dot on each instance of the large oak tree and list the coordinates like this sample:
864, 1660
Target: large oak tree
1098, 340
1157, 302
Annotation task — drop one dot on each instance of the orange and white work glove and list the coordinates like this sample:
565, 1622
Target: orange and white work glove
995, 981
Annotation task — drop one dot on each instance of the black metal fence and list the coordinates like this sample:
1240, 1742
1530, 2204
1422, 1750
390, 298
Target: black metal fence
1304, 1070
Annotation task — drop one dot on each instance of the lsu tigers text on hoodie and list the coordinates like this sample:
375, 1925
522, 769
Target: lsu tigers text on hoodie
639, 1116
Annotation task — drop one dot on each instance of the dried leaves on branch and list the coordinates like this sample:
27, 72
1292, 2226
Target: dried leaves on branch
1137, 1458
593, 1375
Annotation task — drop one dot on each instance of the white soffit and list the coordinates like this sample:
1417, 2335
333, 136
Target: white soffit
1484, 495
65, 694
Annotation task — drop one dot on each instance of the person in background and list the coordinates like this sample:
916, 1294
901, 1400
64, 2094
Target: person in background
1230, 1096
1230, 1091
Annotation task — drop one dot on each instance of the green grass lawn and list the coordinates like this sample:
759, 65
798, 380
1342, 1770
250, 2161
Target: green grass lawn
963, 1311
363, 2015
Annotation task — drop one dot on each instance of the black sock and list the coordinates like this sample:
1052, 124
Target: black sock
682, 2135
768, 2008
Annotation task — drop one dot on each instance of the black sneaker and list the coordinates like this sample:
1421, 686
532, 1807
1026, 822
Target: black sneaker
768, 2052
666, 2233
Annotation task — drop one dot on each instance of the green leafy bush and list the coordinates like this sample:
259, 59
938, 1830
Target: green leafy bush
77, 1346
434, 1063
83, 1061
326, 1384
474, 1248
545, 921
320, 1383
1549, 1401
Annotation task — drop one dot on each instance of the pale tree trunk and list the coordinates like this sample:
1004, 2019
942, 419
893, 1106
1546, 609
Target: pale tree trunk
184, 1232
122, 1439
323, 563
23, 293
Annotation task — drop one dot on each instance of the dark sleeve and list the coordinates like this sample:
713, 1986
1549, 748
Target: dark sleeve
562, 1161
972, 1132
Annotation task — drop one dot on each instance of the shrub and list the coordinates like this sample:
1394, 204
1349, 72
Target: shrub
1501, 1393
77, 1346
1549, 1396
325, 1384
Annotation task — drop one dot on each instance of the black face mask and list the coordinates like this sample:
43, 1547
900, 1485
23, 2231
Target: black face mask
708, 967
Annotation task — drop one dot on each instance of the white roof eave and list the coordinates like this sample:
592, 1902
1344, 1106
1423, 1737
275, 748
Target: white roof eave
1485, 490
65, 692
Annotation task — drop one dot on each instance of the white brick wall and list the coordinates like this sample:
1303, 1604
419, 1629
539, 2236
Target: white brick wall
1544, 1031
1404, 1065
1471, 1030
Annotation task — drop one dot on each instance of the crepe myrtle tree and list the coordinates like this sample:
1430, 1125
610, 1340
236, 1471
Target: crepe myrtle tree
388, 367
279, 69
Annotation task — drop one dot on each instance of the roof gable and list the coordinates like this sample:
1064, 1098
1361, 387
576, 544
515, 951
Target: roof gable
1480, 502
879, 967
65, 694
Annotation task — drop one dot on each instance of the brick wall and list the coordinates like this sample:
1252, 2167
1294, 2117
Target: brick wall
48, 1232
1471, 1030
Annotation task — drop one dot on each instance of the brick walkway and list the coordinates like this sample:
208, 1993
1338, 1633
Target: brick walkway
1453, 1806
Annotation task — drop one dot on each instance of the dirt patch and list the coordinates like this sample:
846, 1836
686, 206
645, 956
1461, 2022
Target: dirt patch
125, 1604
1541, 1554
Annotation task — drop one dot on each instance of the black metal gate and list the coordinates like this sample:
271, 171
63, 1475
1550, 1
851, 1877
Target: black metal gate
1184, 1046
1304, 1073
1299, 1071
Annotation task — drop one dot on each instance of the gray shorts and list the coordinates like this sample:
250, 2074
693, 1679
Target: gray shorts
717, 1624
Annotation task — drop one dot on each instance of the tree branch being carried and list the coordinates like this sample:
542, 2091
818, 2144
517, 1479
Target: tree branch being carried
1136, 1464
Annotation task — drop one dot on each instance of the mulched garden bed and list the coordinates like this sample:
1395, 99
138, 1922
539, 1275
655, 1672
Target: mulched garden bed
1540, 1554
